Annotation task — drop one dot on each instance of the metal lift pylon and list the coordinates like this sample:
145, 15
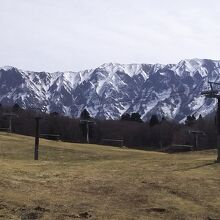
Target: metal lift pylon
214, 93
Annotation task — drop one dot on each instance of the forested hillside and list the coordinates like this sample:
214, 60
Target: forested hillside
157, 133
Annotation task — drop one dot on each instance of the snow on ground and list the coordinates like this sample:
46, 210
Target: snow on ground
197, 103
67, 110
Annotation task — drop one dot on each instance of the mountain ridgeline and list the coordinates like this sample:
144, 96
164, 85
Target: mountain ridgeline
172, 91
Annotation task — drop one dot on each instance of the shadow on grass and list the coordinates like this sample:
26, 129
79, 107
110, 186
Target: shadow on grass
197, 167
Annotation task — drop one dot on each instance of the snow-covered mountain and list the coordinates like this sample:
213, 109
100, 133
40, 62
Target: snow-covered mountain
172, 90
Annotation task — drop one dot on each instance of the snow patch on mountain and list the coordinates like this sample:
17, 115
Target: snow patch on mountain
112, 89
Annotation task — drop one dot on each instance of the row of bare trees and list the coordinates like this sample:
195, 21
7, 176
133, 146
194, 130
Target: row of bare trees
153, 134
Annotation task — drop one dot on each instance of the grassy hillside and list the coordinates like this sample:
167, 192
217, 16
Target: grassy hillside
78, 181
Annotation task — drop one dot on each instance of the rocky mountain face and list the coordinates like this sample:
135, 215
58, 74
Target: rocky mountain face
172, 90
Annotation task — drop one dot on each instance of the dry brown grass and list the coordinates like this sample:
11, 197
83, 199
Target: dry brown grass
76, 181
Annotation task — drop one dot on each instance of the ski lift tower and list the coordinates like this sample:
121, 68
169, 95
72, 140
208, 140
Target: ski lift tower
87, 122
38, 114
215, 93
10, 116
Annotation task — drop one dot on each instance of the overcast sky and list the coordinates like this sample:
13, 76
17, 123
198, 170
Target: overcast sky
74, 35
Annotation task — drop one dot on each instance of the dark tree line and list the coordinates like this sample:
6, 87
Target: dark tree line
153, 134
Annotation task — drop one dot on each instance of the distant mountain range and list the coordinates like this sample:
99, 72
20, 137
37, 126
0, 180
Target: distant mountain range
172, 90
